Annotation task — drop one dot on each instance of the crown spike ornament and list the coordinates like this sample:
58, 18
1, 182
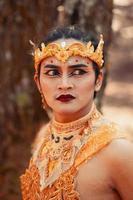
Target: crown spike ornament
62, 51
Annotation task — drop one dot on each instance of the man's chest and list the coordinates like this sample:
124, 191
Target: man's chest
93, 181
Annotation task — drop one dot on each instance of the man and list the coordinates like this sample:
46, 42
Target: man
79, 155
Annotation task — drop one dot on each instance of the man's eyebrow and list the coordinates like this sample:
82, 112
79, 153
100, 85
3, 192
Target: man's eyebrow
78, 65
52, 66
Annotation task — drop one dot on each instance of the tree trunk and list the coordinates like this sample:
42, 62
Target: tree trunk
20, 103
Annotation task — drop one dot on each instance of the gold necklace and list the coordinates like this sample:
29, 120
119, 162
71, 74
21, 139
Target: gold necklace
65, 135
68, 127
64, 141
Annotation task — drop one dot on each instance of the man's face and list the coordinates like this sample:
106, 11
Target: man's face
68, 87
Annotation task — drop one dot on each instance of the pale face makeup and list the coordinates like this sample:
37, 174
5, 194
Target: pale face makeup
75, 77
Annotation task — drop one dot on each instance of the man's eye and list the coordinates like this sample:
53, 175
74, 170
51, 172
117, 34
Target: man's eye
79, 72
52, 72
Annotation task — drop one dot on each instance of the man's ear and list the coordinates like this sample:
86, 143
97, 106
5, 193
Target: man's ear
99, 81
36, 79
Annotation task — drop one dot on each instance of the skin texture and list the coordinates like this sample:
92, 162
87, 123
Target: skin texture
109, 174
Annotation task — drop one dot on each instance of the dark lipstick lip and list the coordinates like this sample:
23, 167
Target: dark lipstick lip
65, 98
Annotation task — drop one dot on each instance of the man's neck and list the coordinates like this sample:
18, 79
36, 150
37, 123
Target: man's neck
66, 118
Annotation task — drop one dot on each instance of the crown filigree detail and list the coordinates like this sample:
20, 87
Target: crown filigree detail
63, 52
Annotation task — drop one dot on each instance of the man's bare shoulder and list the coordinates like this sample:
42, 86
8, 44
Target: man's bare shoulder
118, 152
120, 148
119, 157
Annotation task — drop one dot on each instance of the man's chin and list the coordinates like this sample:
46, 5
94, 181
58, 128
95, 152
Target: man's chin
66, 111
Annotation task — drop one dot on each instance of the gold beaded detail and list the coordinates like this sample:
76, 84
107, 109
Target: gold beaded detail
62, 52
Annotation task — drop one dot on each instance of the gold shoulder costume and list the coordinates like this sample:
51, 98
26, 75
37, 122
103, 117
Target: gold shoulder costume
59, 154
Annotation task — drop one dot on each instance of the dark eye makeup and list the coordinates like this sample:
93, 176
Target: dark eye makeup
79, 72
52, 72
55, 72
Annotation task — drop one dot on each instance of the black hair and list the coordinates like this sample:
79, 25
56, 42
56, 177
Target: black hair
73, 32
70, 32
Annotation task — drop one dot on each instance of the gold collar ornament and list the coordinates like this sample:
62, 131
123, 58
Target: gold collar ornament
54, 167
63, 142
62, 52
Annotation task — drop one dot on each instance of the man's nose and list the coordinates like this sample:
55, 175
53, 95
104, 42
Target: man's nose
65, 83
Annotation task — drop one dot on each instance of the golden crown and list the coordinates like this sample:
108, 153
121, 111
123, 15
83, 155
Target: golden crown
62, 52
